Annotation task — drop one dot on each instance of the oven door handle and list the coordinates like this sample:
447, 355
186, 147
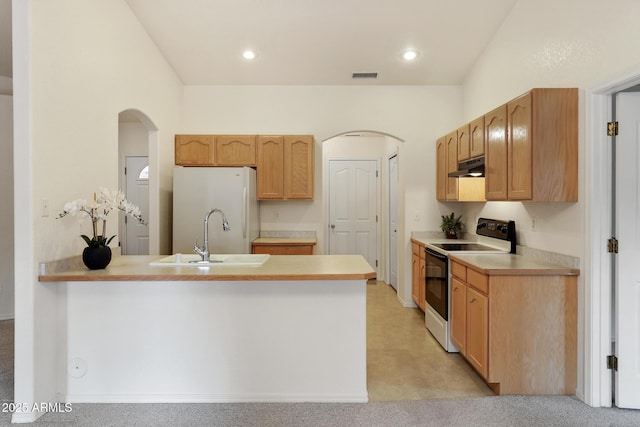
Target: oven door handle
435, 253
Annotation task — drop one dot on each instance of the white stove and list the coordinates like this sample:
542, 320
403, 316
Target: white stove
494, 236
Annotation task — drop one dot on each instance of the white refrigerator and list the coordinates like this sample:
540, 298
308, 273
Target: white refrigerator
196, 190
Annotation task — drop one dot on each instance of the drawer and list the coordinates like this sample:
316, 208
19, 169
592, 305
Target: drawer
459, 270
478, 281
283, 249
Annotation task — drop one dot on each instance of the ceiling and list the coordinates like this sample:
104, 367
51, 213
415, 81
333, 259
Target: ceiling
321, 42
311, 42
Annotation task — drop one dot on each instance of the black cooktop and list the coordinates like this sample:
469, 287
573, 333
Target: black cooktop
463, 247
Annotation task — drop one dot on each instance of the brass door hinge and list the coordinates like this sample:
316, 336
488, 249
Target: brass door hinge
612, 362
612, 128
612, 245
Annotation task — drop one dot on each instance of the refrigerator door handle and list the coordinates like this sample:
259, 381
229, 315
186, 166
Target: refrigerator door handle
245, 201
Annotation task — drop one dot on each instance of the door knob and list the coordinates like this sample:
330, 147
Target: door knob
333, 226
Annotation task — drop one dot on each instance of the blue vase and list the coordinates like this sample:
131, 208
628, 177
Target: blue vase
96, 258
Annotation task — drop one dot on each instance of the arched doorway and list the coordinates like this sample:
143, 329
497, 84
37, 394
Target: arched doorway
353, 161
137, 177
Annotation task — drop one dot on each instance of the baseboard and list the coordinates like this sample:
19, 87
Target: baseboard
213, 398
10, 316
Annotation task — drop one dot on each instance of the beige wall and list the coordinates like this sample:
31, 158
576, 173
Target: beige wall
80, 84
83, 62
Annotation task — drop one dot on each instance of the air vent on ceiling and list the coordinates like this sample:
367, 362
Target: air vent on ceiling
364, 75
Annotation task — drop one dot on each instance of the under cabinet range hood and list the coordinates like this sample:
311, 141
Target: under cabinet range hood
469, 168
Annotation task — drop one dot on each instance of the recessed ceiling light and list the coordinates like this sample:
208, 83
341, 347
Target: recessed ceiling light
248, 54
409, 55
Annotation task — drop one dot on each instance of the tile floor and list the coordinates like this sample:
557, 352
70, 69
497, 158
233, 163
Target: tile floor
404, 362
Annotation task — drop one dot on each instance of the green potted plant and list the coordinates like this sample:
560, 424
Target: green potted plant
451, 225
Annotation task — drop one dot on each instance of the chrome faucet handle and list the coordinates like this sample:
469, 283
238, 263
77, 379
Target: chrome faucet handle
197, 249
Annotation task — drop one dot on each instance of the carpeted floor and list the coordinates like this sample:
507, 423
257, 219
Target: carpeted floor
483, 411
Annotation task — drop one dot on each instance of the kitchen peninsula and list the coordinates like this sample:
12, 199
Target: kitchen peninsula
293, 329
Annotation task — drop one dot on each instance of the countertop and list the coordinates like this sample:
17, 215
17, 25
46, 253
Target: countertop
511, 265
292, 241
276, 268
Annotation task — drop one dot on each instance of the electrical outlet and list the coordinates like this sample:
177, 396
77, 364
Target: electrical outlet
534, 225
277, 215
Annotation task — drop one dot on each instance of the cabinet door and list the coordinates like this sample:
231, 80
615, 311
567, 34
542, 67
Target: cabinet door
441, 169
458, 317
298, 166
495, 124
477, 331
194, 150
415, 282
476, 137
452, 165
519, 148
463, 143
235, 150
270, 167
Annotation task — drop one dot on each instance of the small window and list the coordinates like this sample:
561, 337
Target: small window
144, 173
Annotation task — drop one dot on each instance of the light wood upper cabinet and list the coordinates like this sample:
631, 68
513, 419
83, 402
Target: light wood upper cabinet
451, 142
463, 143
530, 146
194, 150
441, 169
476, 137
495, 123
542, 147
235, 150
270, 170
298, 166
285, 167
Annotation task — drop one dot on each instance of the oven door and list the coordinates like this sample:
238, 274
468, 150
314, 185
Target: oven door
437, 282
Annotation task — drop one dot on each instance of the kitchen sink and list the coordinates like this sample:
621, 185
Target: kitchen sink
220, 260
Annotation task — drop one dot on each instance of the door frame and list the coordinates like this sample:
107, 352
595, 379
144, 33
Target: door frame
381, 268
387, 194
596, 297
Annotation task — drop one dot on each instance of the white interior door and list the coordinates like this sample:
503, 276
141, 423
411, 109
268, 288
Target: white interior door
353, 200
393, 222
627, 290
136, 236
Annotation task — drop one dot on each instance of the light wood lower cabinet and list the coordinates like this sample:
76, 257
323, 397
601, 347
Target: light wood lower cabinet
519, 332
282, 249
458, 318
418, 272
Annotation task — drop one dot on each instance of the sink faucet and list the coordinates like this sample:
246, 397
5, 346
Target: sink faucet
204, 250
